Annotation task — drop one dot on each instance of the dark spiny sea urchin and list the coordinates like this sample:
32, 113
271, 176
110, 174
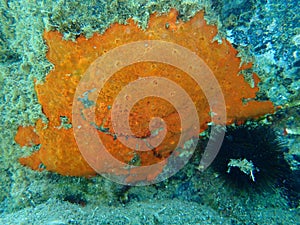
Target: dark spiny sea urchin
252, 157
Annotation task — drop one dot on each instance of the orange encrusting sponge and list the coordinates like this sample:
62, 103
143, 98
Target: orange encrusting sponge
59, 152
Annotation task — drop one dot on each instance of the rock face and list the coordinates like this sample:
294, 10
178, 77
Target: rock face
59, 152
